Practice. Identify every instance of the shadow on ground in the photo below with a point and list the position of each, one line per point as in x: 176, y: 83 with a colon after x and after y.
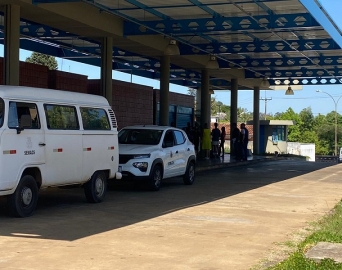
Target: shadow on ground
x: 64, y: 214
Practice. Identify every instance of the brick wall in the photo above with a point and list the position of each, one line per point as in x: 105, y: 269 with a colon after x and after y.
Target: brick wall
x: 177, y: 99
x: 132, y: 103
x: 33, y: 75
x: 61, y: 80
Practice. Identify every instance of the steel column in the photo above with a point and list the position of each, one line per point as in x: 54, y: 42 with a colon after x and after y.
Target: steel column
x: 256, y: 120
x: 164, y: 90
x: 106, y: 68
x: 205, y: 109
x: 233, y: 105
x: 11, y: 45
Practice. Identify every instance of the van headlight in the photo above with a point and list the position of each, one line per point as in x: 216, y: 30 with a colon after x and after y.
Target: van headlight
x: 142, y: 156
x: 142, y: 166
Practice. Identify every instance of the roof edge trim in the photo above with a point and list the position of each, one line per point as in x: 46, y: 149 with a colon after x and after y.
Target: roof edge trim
x: 323, y: 18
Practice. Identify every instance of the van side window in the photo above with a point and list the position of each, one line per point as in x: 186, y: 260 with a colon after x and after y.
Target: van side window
x: 18, y: 109
x: 61, y: 117
x: 94, y: 119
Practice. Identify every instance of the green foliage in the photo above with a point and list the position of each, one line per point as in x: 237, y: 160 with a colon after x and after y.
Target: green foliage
x: 43, y: 59
x: 327, y: 229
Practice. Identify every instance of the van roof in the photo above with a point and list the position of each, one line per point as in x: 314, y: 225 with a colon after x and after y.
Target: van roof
x: 50, y: 95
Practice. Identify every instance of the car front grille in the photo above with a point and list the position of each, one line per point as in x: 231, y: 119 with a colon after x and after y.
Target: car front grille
x: 123, y: 159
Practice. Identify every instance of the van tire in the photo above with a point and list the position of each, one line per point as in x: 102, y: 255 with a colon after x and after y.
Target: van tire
x: 189, y: 176
x: 95, y: 189
x: 156, y: 177
x: 23, y: 201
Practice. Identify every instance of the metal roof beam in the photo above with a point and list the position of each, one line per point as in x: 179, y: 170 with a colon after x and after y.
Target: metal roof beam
x: 284, y: 62
x: 36, y: 2
x: 261, y: 47
x: 223, y: 24
x: 205, y: 8
x: 302, y: 73
x: 308, y: 81
x: 148, y: 9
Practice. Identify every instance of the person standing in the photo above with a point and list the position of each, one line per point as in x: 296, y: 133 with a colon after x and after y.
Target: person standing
x: 215, y: 133
x: 196, y: 136
x: 235, y: 135
x: 244, y: 141
x: 206, y: 145
x: 223, y: 138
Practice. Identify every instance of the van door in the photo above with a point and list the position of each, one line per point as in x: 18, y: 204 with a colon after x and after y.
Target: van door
x: 21, y: 148
x: 99, y: 142
x: 63, y: 140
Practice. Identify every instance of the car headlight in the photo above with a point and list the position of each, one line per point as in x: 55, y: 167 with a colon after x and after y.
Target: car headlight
x: 142, y: 156
x: 142, y: 166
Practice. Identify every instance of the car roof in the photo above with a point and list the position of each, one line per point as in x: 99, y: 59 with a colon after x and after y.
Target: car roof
x: 150, y: 127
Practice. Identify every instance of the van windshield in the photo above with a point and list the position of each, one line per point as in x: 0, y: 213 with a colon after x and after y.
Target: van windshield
x: 2, y: 110
x: 140, y: 136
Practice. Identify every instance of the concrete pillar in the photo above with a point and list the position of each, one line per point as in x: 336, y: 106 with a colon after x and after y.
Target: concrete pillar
x: 107, y: 68
x: 11, y: 44
x: 205, y: 98
x: 233, y: 105
x: 164, y: 90
x: 256, y: 120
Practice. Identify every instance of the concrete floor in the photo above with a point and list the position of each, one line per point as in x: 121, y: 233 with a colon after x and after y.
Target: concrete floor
x: 229, y: 219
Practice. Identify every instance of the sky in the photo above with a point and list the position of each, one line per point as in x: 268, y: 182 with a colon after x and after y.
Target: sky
x: 277, y: 101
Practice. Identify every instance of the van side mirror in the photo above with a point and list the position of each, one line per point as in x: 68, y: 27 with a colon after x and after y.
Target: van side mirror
x: 25, y: 122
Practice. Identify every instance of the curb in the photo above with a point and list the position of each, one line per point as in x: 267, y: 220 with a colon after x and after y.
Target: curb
x: 236, y: 163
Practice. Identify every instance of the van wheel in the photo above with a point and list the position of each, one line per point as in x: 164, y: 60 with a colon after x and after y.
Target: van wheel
x: 189, y: 176
x: 23, y: 201
x: 156, y: 177
x: 95, y: 189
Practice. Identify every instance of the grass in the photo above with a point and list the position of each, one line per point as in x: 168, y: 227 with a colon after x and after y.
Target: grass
x: 327, y: 229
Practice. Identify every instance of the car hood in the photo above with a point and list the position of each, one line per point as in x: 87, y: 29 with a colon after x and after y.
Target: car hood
x: 132, y: 149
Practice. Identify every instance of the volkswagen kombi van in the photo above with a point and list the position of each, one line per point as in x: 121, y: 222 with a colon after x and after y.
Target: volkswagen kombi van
x: 54, y: 138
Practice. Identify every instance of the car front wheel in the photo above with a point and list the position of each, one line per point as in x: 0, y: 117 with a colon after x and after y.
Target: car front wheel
x: 156, y: 177
x: 23, y: 201
x: 189, y: 176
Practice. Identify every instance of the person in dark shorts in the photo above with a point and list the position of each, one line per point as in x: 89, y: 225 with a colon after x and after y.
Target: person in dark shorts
x: 215, y: 140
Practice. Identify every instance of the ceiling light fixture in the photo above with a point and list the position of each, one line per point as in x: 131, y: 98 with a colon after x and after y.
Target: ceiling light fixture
x: 172, y: 48
x: 289, y: 91
x: 264, y: 83
x: 212, y: 63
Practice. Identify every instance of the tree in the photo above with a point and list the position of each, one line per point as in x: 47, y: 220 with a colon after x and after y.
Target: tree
x: 43, y: 59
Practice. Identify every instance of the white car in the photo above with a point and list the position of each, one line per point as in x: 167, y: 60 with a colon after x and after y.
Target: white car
x: 155, y: 153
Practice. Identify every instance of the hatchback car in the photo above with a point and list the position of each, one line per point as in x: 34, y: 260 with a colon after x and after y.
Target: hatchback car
x: 155, y: 153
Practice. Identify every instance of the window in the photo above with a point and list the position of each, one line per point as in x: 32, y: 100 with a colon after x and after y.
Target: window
x: 61, y: 117
x: 278, y: 133
x: 140, y: 136
x: 168, y: 139
x: 18, y: 109
x: 94, y: 119
x: 179, y: 137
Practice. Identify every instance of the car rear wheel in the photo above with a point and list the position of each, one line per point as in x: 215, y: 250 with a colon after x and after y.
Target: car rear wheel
x: 189, y: 176
x: 95, y: 189
x: 156, y: 177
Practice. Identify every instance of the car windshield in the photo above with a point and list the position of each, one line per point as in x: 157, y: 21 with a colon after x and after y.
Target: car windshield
x: 140, y: 136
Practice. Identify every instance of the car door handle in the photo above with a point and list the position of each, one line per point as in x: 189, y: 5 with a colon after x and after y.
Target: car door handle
x: 176, y: 152
x: 188, y: 149
x: 42, y: 144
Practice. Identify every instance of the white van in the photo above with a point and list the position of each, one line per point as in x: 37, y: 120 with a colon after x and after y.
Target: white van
x: 54, y: 138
